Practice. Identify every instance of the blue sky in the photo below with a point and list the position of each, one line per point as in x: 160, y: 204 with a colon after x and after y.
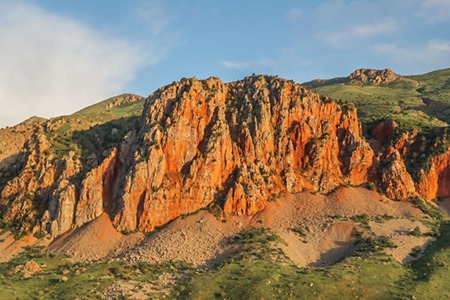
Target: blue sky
x: 57, y: 56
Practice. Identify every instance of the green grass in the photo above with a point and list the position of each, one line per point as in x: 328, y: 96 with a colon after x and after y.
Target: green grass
x: 83, y: 131
x: 375, y: 277
x: 419, y: 108
x: 84, y: 280
x: 257, y: 270
x: 432, y: 271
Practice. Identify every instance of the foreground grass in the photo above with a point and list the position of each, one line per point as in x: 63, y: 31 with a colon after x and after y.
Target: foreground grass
x: 61, y: 279
x: 256, y: 270
x: 261, y: 272
x: 372, y: 278
x: 431, y: 272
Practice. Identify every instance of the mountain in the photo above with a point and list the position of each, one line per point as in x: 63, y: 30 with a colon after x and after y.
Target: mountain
x: 256, y: 174
x: 198, y: 143
x: 232, y: 147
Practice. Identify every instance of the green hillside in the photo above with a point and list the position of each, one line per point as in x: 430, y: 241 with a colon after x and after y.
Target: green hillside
x: 95, y: 128
x: 416, y: 102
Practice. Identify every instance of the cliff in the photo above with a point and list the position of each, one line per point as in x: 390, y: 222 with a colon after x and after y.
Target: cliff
x: 239, y: 145
x: 232, y: 147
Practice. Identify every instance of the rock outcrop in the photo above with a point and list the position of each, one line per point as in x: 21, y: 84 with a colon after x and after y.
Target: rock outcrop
x: 232, y: 147
x: 239, y: 144
x: 12, y: 141
x: 436, y: 182
x: 374, y: 76
x: 395, y: 180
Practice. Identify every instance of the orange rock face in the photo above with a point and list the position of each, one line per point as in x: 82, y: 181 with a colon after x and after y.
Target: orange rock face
x: 239, y: 144
x: 436, y: 182
x: 202, y: 143
x: 395, y: 180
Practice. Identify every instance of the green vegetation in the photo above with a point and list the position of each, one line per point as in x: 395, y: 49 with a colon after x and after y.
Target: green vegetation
x: 430, y: 279
x: 61, y: 279
x: 436, y: 93
x: 258, y: 269
x: 299, y: 231
x: 95, y: 128
x: 418, y: 107
x: 363, y: 220
x: 266, y: 279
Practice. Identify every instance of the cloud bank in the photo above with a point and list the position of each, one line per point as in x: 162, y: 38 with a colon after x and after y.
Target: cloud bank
x: 52, y: 65
x: 332, y: 37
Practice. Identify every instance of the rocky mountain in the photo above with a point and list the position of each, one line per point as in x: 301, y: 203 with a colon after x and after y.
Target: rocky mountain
x: 375, y: 77
x: 365, y: 77
x: 232, y: 147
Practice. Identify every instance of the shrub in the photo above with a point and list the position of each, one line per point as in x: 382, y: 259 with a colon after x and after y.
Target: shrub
x: 415, y: 251
x: 416, y: 231
x: 39, y: 234
x: 369, y: 185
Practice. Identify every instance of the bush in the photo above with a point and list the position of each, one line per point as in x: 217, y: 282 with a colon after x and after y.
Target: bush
x: 369, y: 185
x: 39, y: 234
x: 415, y: 251
x: 298, y: 231
x: 416, y: 231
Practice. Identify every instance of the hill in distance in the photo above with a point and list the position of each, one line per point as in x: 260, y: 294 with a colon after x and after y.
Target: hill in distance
x: 415, y: 102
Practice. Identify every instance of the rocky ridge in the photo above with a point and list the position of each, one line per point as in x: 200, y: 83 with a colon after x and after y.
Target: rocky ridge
x: 203, y: 143
x: 373, y: 76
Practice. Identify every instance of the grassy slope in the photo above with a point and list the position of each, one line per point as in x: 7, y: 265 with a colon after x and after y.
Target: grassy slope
x: 90, y: 130
x: 257, y: 270
x: 414, y: 107
x: 83, y: 280
x: 372, y: 278
x: 436, y: 92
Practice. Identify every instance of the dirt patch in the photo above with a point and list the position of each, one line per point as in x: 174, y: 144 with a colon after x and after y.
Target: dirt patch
x: 400, y: 232
x: 200, y: 239
x: 93, y: 241
x: 325, y: 239
x: 319, y: 248
x: 10, y: 247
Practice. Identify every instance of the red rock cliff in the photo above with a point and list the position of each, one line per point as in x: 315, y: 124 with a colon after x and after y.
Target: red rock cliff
x: 201, y: 143
x: 240, y: 144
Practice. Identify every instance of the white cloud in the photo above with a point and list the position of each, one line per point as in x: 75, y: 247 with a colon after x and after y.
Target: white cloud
x: 366, y: 30
x: 295, y: 14
x: 348, y: 36
x: 434, y: 54
x: 436, y: 10
x: 236, y: 65
x: 52, y: 65
x: 439, y: 46
x: 154, y: 13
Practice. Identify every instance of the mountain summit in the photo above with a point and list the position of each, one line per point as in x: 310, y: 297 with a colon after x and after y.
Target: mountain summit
x: 385, y: 76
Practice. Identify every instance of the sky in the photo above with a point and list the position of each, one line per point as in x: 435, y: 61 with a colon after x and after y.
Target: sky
x: 58, y: 56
